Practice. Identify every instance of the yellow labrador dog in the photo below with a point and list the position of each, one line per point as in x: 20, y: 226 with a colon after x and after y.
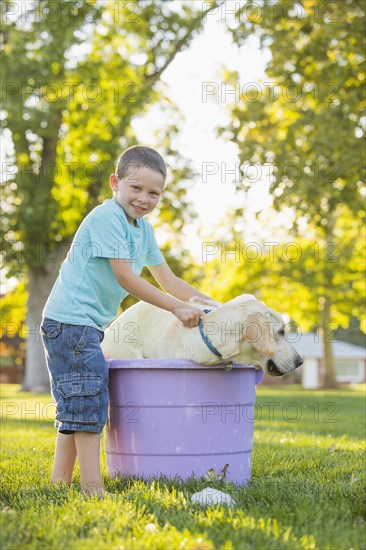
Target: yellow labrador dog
x: 243, y: 330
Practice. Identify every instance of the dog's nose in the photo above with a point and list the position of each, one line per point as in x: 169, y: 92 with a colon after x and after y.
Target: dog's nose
x: 299, y: 362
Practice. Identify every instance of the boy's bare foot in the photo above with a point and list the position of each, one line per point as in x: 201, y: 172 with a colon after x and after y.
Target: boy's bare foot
x: 112, y: 496
x: 96, y: 490
x: 61, y: 483
x: 93, y: 490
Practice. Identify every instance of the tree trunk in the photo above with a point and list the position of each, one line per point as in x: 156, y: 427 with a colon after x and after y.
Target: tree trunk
x: 327, y: 336
x: 40, y: 283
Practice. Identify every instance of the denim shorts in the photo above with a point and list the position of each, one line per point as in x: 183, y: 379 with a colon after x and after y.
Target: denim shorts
x: 78, y: 375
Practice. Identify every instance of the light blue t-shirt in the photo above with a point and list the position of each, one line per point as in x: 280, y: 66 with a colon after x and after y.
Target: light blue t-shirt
x: 86, y: 291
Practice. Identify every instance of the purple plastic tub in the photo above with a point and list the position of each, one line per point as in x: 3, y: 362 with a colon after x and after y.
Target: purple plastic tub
x: 176, y: 418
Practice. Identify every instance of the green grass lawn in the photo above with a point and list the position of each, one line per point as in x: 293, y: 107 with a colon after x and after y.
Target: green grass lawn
x: 307, y: 488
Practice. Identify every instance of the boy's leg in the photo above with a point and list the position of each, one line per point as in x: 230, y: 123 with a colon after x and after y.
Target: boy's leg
x: 88, y: 452
x: 65, y: 456
x: 79, y: 383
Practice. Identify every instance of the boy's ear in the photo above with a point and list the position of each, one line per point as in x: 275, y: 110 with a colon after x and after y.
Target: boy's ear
x: 113, y: 182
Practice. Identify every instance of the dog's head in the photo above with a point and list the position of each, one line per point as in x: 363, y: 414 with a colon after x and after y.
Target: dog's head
x: 247, y: 331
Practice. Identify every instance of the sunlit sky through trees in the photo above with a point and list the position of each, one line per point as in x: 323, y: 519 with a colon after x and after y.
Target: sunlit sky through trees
x: 194, y: 82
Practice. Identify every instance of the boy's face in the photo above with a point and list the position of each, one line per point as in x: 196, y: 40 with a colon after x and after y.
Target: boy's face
x: 138, y: 193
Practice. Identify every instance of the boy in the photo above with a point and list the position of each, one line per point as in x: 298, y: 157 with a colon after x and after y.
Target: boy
x: 102, y: 267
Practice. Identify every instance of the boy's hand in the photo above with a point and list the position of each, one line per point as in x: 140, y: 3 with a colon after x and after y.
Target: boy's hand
x: 188, y: 315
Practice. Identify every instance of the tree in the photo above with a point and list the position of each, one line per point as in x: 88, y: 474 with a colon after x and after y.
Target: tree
x: 75, y: 74
x: 305, y: 127
x: 288, y: 275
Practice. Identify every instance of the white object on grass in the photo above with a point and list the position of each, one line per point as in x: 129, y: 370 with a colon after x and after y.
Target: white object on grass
x: 212, y: 496
x: 150, y: 527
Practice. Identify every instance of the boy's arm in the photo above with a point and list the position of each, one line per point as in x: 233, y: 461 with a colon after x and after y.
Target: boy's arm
x: 174, y: 285
x: 138, y: 287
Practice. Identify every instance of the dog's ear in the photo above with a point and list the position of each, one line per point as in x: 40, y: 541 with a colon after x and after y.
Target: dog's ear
x: 229, y: 349
x: 223, y: 331
x: 257, y: 331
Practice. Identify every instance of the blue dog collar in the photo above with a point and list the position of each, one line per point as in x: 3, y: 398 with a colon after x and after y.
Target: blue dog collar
x: 210, y: 346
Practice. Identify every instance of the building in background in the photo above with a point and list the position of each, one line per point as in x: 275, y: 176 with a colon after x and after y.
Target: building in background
x: 350, y: 362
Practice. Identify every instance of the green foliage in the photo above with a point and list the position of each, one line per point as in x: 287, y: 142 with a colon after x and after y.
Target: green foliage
x: 73, y: 82
x: 306, y: 490
x: 75, y: 75
x: 12, y: 309
x: 304, y: 127
x: 307, y: 123
x: 292, y: 275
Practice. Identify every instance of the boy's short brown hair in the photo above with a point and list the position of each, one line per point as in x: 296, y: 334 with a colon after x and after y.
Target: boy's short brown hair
x: 137, y: 157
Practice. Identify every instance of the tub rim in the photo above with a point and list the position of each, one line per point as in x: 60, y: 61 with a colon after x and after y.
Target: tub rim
x: 178, y: 364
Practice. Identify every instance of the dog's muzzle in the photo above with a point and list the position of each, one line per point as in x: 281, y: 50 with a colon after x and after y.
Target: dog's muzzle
x: 272, y: 368
x: 274, y: 371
